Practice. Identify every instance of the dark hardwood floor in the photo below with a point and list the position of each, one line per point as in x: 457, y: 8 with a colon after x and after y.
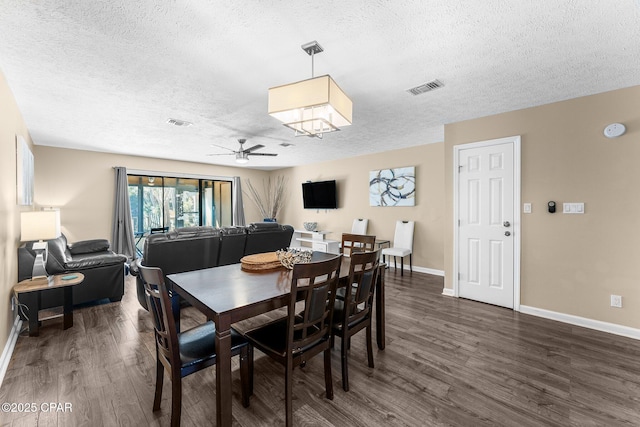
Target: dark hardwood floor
x: 448, y: 362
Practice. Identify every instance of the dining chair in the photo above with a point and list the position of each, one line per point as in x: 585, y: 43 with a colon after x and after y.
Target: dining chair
x: 356, y: 243
x: 359, y: 226
x: 294, y: 339
x: 184, y: 353
x: 353, y: 313
x: 402, y: 244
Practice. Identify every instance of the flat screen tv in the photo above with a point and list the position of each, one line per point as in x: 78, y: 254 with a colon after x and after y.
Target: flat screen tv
x: 319, y: 195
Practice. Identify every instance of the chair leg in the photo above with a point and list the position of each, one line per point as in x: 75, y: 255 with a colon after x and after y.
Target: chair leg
x: 159, y: 383
x: 244, y: 376
x: 402, y: 266
x: 288, y: 392
x: 344, y: 362
x: 328, y: 379
x: 369, y: 346
x: 250, y: 370
x: 395, y: 263
x: 410, y: 264
x: 176, y: 399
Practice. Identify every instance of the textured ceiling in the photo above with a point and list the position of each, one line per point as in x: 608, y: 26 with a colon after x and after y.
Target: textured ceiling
x: 106, y: 75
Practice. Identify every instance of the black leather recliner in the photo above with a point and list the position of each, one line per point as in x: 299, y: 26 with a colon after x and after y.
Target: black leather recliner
x: 103, y: 270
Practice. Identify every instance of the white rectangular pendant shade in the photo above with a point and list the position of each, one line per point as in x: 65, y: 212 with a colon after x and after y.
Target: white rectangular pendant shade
x: 312, y: 106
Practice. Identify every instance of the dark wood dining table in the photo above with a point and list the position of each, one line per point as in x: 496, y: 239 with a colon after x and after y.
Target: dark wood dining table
x: 229, y: 294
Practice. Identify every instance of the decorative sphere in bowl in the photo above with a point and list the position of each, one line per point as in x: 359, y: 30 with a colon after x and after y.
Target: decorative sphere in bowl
x: 310, y: 226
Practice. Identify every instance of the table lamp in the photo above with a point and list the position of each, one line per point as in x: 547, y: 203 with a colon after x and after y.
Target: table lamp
x: 40, y: 226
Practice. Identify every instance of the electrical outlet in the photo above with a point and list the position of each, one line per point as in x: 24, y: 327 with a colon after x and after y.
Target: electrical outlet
x: 616, y: 301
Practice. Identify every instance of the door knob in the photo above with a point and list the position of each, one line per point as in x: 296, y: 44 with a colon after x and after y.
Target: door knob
x: 506, y: 224
x: 507, y: 233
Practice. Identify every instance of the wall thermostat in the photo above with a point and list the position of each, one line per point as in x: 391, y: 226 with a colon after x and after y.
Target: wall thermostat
x: 614, y: 130
x: 552, y: 206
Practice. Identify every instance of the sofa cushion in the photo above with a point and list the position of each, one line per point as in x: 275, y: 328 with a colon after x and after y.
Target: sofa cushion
x: 267, y: 237
x: 89, y: 246
x: 183, y: 249
x: 57, y: 255
x: 95, y: 259
x: 232, y: 245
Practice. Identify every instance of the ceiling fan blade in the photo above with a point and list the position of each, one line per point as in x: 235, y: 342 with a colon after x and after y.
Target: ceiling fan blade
x: 254, y: 148
x: 220, y: 154
x: 262, y: 154
x: 220, y: 146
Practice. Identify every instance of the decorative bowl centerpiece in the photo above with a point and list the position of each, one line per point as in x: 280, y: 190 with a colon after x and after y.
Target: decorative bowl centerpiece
x: 292, y: 256
x: 310, y: 226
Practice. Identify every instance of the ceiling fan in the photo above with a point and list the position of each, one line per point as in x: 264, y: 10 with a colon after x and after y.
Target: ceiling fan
x: 242, y: 155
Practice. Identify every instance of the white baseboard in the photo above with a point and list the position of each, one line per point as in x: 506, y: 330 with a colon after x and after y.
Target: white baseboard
x: 448, y: 292
x: 9, y: 346
x: 598, y: 325
x: 425, y: 270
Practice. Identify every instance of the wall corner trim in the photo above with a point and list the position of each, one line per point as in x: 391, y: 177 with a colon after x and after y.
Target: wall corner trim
x: 9, y: 346
x: 598, y: 325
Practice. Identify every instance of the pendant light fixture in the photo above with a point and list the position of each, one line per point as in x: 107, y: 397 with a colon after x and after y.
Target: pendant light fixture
x: 311, y: 107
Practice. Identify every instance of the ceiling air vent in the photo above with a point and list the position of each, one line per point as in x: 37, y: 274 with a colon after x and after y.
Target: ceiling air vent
x: 177, y: 122
x: 426, y: 87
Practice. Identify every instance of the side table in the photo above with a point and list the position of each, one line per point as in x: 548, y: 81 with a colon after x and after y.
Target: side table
x: 32, y: 288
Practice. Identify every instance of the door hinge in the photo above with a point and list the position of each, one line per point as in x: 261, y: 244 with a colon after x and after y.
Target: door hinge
x: 460, y: 168
x: 459, y: 223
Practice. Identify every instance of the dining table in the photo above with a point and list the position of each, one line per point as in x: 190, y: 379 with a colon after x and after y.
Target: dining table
x: 229, y: 294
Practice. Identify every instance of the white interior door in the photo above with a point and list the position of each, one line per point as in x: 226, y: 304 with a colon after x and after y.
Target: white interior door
x: 487, y: 207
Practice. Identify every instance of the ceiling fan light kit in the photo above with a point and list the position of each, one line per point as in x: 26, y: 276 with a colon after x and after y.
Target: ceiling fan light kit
x: 242, y: 157
x: 311, y: 107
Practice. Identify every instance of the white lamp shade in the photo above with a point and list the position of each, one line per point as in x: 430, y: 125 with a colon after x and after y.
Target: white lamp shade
x: 311, y: 106
x: 39, y: 225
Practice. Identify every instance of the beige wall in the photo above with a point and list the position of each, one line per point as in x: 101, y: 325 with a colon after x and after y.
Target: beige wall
x: 352, y: 176
x: 81, y: 184
x: 11, y: 124
x: 571, y: 263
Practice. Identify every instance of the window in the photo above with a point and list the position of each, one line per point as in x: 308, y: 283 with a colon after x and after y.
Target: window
x: 162, y: 203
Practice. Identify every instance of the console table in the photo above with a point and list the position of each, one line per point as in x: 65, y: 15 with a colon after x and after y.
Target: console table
x: 32, y: 288
x: 315, y: 240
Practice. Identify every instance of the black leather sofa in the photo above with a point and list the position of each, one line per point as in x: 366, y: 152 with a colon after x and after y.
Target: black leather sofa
x: 102, y: 268
x: 193, y: 248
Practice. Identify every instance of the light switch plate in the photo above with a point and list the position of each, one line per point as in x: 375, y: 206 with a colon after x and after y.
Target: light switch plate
x: 526, y: 208
x: 573, y: 208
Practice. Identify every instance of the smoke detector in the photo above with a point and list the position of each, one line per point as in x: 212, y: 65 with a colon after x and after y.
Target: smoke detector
x: 614, y: 130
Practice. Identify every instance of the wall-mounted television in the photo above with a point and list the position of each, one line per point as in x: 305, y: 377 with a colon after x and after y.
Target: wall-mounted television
x: 319, y: 195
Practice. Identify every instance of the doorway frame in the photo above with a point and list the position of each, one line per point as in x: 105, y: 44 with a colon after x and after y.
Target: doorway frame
x: 517, y: 216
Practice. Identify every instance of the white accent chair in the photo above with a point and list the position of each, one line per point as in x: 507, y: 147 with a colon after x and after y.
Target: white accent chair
x: 359, y: 226
x: 402, y: 244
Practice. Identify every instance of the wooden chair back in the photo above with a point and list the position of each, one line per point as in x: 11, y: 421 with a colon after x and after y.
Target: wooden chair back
x: 159, y: 304
x: 314, y: 284
x: 357, y: 243
x: 363, y: 274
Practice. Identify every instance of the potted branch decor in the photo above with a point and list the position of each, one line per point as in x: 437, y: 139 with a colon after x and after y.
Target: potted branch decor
x: 271, y: 199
